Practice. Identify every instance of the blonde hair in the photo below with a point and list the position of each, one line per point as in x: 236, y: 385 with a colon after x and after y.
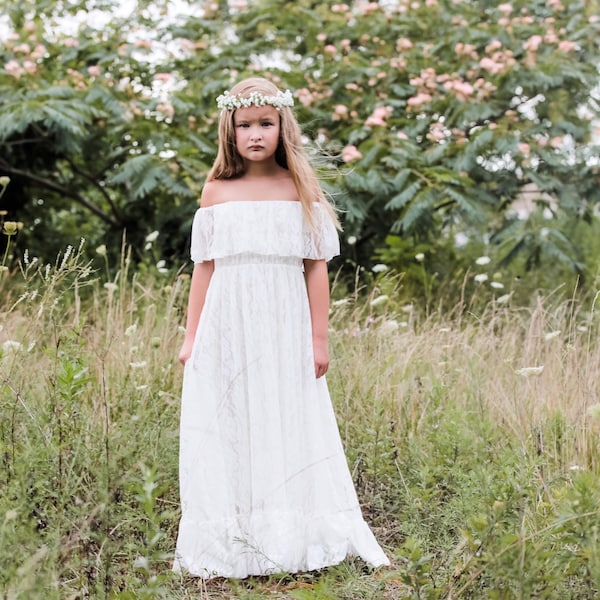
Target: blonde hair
x: 290, y: 153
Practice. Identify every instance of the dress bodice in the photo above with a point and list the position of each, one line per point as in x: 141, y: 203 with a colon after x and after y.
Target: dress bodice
x: 263, y: 227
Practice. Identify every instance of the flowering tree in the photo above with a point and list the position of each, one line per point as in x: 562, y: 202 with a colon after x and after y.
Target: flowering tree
x: 435, y: 117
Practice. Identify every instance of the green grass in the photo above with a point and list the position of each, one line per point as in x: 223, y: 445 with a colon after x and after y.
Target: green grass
x: 480, y: 480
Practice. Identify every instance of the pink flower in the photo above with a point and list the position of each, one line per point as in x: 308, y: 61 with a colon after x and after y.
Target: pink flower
x: 403, y: 44
x: 556, y: 142
x: 23, y: 48
x: 164, y: 77
x: 321, y: 37
x: 13, y: 68
x: 505, y: 8
x: 166, y: 108
x: 143, y: 44
x: 29, y: 26
x: 401, y: 135
x: 378, y: 117
x: 491, y: 65
x: 350, y: 153
x: 70, y: 43
x: 419, y: 100
x: 38, y: 52
x: 330, y: 48
x: 30, y: 66
x: 305, y: 96
x: 524, y: 149
x: 94, y: 71
x: 533, y: 43
x: 341, y: 110
x: 566, y: 46
x: 493, y: 46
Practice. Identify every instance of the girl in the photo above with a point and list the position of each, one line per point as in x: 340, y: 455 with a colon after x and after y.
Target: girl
x: 264, y: 483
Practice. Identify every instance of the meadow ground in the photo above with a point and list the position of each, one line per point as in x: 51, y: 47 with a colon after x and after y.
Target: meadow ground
x: 472, y: 435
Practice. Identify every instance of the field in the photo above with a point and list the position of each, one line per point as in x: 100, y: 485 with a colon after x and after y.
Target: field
x: 472, y: 435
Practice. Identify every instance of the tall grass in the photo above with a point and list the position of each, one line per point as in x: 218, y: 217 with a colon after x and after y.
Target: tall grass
x: 477, y: 469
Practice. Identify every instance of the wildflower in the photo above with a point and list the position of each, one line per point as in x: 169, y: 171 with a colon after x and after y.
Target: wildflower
x: 10, y: 227
x: 530, y: 371
x: 160, y: 265
x: 151, y: 237
x: 137, y: 365
x: 481, y: 277
x: 594, y: 411
x: 351, y: 240
x: 389, y: 326
x: 11, y: 346
x: 4, y: 181
x: 420, y: 257
x: 379, y: 268
x: 341, y: 302
x: 552, y: 334
x: 3, y: 268
x: 131, y: 330
x: 101, y: 250
x: 504, y: 298
x: 380, y: 301
x: 575, y: 468
x: 483, y: 260
x: 141, y: 387
x: 111, y: 287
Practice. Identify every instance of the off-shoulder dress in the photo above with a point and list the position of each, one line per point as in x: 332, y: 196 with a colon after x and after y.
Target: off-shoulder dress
x: 264, y: 483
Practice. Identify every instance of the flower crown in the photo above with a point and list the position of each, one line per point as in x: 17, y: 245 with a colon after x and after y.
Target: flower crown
x: 226, y: 101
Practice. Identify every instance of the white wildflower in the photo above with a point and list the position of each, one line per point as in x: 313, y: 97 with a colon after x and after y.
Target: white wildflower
x: 111, y: 287
x: 131, y: 330
x: 351, y: 240
x: 379, y: 268
x: 389, y: 326
x: 497, y: 285
x: 483, y: 260
x: 152, y: 237
x: 576, y: 468
x: 11, y: 346
x: 161, y: 266
x: 420, y: 257
x: 444, y: 329
x: 139, y: 388
x: 407, y: 308
x: 380, y: 301
x: 138, y: 365
x: 481, y: 277
x: 582, y: 328
x: 101, y: 250
x: 552, y: 334
x: 504, y: 298
x: 530, y: 371
x: 341, y: 302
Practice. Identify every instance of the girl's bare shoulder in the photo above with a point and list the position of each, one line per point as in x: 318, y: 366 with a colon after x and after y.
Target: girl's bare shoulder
x: 215, y: 191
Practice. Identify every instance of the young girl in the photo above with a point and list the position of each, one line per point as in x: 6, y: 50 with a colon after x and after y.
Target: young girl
x: 265, y: 487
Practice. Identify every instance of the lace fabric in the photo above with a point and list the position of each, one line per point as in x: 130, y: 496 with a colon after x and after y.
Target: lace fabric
x: 260, y: 226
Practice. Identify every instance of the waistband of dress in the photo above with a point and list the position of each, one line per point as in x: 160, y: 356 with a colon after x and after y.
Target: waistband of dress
x: 248, y: 258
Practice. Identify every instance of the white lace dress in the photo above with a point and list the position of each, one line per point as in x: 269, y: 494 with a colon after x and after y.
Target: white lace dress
x: 264, y: 483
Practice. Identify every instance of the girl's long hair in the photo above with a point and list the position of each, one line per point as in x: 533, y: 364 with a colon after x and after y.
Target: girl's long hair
x: 290, y: 153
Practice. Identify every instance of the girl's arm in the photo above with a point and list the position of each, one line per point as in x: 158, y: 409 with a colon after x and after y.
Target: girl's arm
x: 317, y: 285
x: 200, y: 279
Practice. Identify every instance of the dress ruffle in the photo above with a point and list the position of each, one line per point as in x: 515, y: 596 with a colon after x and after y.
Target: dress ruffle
x: 257, y: 227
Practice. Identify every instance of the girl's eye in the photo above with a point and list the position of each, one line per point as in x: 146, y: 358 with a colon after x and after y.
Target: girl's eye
x: 267, y: 124
x: 242, y: 124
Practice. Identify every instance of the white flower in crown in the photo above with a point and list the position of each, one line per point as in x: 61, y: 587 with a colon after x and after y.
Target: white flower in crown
x: 227, y: 101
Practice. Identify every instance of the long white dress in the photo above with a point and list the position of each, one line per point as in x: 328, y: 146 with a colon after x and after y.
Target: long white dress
x: 264, y: 483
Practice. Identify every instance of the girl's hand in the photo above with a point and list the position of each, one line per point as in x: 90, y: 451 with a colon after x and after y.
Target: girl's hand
x: 321, y: 354
x: 186, y: 351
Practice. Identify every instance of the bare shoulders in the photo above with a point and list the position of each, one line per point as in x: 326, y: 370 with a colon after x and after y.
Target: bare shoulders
x: 276, y: 187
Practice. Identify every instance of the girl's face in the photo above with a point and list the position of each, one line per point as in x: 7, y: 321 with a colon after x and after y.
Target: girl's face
x: 256, y: 132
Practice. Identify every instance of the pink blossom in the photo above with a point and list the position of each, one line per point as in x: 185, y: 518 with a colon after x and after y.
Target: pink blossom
x: 493, y: 46
x: 556, y: 142
x: 305, y: 96
x: 238, y: 4
x: 23, y: 48
x: 164, y: 77
x: 403, y: 44
x: 94, y: 71
x: 436, y: 133
x: 491, y: 65
x: 321, y: 37
x: 13, y: 68
x: 166, y: 108
x: 30, y: 66
x: 339, y: 8
x: 378, y: 117
x: 566, y: 46
x: 352, y: 86
x: 524, y: 149
x: 401, y: 135
x: 594, y: 19
x: 350, y: 153
x: 533, y: 43
x: 419, y: 100
x: 38, y: 52
x: 29, y: 26
x: 330, y: 48
x: 143, y: 44
x: 345, y: 44
x: 70, y: 42
x: 505, y: 8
